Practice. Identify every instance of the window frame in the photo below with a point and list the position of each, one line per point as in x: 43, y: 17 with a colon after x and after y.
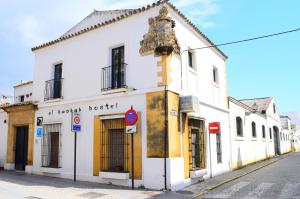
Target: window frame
x: 241, y: 129
x: 216, y: 75
x: 263, y: 130
x: 219, y: 148
x: 253, y: 130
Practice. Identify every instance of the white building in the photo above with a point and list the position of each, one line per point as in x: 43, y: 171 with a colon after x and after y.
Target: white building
x: 99, y: 69
x: 143, y: 59
x: 295, y: 137
x: 3, y: 137
x: 256, y: 131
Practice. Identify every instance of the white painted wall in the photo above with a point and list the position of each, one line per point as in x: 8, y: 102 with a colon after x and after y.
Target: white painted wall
x: 247, y: 149
x: 3, y: 137
x: 198, y: 80
x: 26, y: 90
x: 84, y: 56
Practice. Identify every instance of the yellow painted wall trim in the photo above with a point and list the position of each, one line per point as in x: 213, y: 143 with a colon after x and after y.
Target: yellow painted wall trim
x: 164, y: 74
x: 23, y: 115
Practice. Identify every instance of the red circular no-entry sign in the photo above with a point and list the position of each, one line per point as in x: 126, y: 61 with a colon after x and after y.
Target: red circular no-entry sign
x: 214, y: 127
x: 131, y: 117
x: 76, y: 119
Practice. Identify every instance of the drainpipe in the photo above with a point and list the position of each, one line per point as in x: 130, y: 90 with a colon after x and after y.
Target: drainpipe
x: 166, y: 137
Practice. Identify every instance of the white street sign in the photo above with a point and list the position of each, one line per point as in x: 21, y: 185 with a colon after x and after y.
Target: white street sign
x: 131, y: 129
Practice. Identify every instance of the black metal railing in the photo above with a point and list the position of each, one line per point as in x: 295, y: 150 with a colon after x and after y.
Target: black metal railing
x: 113, y: 77
x: 53, y: 89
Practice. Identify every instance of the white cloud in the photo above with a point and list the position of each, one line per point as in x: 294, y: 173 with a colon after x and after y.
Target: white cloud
x: 199, y: 11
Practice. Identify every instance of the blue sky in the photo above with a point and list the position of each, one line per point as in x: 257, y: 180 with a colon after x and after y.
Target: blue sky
x: 269, y: 67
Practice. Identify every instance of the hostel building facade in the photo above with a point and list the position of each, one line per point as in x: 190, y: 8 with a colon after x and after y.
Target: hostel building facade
x: 113, y: 60
x: 142, y: 58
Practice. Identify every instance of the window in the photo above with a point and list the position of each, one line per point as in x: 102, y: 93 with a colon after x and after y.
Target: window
x: 274, y: 108
x: 270, y: 132
x: 263, y: 131
x: 51, y: 145
x: 253, y: 129
x: 114, y: 76
x: 57, y: 81
x: 239, y: 126
x: 22, y: 97
x: 53, y: 87
x: 195, y: 148
x: 216, y: 75
x: 219, y: 148
x: 190, y: 57
x: 197, y: 143
x: 114, y: 146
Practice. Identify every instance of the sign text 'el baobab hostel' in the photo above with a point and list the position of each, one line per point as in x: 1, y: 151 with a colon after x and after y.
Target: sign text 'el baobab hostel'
x: 107, y: 106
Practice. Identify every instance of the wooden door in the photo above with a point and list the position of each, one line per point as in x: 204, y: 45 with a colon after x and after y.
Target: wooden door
x: 54, y: 149
x: 21, y: 147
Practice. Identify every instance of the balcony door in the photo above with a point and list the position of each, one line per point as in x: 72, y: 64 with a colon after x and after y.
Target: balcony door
x: 118, y: 76
x: 57, y: 81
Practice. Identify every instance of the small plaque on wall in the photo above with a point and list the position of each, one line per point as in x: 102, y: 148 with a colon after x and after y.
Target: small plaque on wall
x: 39, y: 132
x: 39, y: 121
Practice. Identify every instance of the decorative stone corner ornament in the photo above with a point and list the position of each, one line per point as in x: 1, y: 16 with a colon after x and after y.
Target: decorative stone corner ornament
x: 161, y: 38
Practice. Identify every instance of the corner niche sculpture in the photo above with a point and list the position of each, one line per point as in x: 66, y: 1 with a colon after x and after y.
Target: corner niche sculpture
x: 161, y: 38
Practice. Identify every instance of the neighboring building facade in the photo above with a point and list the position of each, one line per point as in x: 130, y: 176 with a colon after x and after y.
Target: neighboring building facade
x: 20, y: 129
x: 3, y: 136
x: 295, y: 137
x: 255, y: 124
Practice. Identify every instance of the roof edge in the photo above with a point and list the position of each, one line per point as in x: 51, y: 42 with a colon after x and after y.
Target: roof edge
x: 126, y: 15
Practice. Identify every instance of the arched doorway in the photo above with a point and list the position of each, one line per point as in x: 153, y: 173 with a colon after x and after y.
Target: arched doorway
x: 276, y: 140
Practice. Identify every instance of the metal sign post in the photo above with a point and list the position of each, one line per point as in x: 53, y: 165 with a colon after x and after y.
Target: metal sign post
x: 75, y: 127
x: 131, y: 118
x: 213, y: 128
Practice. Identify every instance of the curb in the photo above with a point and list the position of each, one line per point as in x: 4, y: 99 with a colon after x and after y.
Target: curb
x: 237, y: 177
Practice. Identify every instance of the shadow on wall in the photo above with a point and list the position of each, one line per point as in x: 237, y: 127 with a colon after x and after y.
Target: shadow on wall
x: 239, y: 159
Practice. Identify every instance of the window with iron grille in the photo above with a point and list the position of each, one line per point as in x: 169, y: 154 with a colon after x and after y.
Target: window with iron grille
x: 195, y: 148
x: 51, y: 146
x: 114, y: 146
x: 197, y: 144
x: 219, y: 147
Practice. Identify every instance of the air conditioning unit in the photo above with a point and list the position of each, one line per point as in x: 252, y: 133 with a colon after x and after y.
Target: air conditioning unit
x: 189, y: 104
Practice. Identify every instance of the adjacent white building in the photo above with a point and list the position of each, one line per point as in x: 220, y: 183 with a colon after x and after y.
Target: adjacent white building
x: 256, y: 131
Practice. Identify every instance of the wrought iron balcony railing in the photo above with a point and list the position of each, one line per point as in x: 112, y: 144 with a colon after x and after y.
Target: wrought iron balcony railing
x: 53, y: 89
x: 113, y: 77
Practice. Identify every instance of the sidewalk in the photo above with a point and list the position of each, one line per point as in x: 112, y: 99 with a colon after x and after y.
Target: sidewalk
x: 209, y: 184
x: 16, y: 185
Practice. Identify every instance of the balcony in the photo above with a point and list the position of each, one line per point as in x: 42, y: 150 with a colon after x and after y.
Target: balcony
x: 53, y: 89
x: 113, y: 77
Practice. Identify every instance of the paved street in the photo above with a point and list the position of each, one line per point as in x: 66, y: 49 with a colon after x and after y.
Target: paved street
x: 281, y: 179
x: 278, y: 180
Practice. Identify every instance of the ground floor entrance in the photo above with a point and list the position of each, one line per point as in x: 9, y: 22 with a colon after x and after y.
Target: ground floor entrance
x: 197, y: 144
x: 21, y: 147
x: 276, y: 140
